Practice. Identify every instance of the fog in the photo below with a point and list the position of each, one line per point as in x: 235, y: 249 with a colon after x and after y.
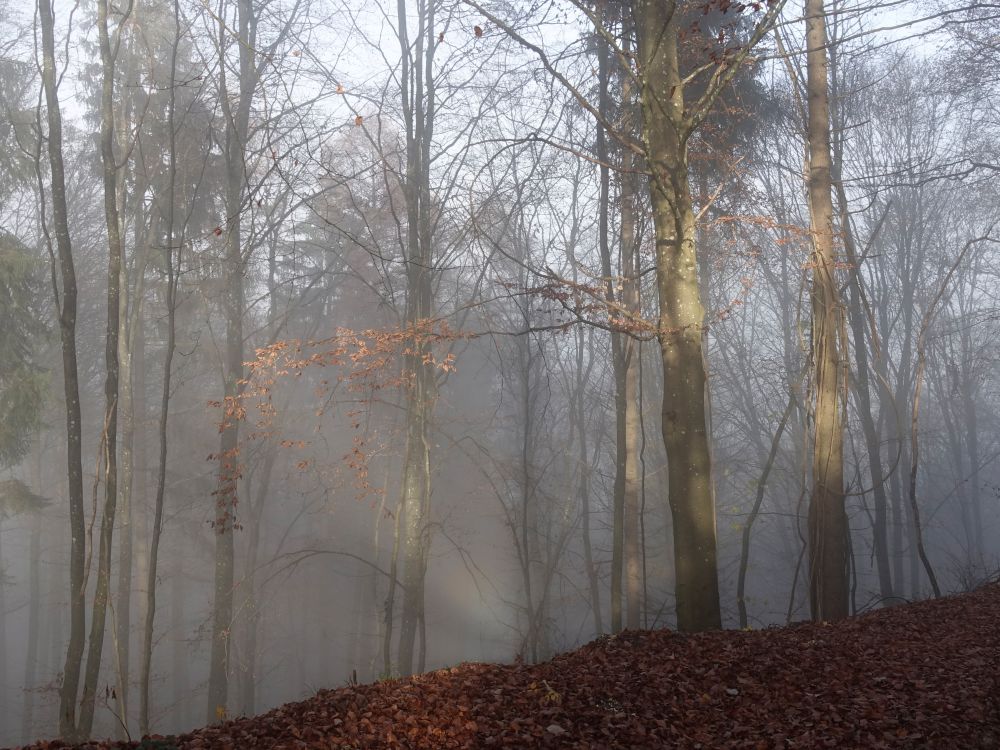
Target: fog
x: 347, y: 340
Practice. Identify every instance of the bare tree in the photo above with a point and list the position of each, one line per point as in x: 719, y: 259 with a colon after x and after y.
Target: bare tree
x: 66, y: 304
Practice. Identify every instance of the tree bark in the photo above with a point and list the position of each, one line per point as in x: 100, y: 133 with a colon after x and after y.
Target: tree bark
x: 417, y: 96
x: 862, y: 390
x: 828, y: 530
x: 856, y: 317
x: 237, y: 128
x: 148, y: 627
x: 131, y: 351
x: 629, y: 251
x: 110, y: 439
x: 585, y: 464
x: 71, y: 387
x: 617, y: 358
x: 680, y: 319
x: 755, y: 510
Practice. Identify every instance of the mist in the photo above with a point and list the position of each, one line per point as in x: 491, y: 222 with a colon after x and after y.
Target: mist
x: 343, y: 341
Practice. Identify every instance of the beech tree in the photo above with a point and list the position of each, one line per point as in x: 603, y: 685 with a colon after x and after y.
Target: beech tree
x: 828, y: 531
x: 502, y: 327
x: 668, y: 122
x: 66, y: 304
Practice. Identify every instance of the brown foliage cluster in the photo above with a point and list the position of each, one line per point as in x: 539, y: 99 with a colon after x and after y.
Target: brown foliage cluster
x: 364, y: 362
x: 918, y: 676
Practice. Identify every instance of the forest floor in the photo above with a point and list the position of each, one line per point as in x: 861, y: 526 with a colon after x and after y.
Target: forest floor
x: 924, y: 675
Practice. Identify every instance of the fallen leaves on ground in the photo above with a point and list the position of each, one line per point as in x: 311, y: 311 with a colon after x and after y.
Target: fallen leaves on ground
x: 919, y: 676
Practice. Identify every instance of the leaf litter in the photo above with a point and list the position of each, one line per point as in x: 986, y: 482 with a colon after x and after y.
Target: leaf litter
x: 924, y: 675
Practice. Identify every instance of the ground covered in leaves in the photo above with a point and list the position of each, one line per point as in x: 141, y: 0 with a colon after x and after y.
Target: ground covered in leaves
x: 921, y: 675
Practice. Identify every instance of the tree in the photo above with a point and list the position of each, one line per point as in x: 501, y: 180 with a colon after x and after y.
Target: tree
x: 172, y: 257
x: 418, y: 99
x: 66, y: 305
x: 668, y: 121
x: 828, y: 530
x: 625, y: 558
x: 237, y: 127
x: 109, y: 437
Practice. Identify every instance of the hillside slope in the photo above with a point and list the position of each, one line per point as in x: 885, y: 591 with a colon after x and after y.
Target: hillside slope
x: 922, y: 675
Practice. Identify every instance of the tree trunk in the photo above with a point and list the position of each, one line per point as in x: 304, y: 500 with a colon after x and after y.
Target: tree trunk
x: 251, y: 610
x: 180, y: 657
x: 755, y: 510
x: 585, y: 468
x: 862, y: 390
x: 390, y: 597
x: 617, y: 358
x: 237, y: 129
x: 71, y: 388
x: 828, y: 528
x: 680, y: 320
x: 131, y: 350
x: 630, y: 262
x: 856, y: 316
x: 969, y: 389
x: 110, y: 438
x: 418, y: 110
x: 527, y: 544
x: 148, y: 627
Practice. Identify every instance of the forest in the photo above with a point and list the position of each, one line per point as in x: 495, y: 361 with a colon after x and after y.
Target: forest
x: 342, y: 341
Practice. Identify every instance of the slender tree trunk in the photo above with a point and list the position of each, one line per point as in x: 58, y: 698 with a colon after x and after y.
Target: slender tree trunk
x: 955, y: 449
x: 109, y: 442
x: 755, y: 510
x: 617, y: 358
x: 828, y: 528
x: 71, y: 388
x: 972, y: 445
x: 234, y: 306
x: 856, y: 316
x: 123, y: 608
x: 250, y: 607
x: 416, y: 480
x: 28, y: 731
x: 897, y: 449
x: 917, y: 537
x: 585, y: 467
x: 862, y: 390
x: 526, y: 543
x: 129, y: 317
x: 390, y: 597
x: 378, y: 620
x: 919, y: 553
x: 629, y: 250
x: 148, y: 628
x: 180, y: 656
x: 417, y: 95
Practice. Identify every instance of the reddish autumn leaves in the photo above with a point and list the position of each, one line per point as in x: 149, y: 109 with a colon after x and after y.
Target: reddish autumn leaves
x: 919, y: 676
